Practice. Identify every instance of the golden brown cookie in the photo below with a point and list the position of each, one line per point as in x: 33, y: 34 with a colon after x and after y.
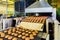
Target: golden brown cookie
x: 1, y: 38
x: 2, y: 34
x: 23, y: 37
x: 34, y: 33
x: 5, y: 31
x: 9, y: 32
x: 26, y: 34
x: 12, y: 33
x: 27, y: 38
x: 19, y: 32
x: 19, y: 36
x: 23, y: 33
x: 10, y: 37
x: 6, y: 36
x: 15, y: 34
x: 15, y: 39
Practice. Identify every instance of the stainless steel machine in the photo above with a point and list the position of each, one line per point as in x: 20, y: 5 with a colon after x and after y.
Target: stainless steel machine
x: 42, y: 8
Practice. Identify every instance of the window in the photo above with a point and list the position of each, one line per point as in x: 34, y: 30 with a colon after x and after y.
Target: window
x: 2, y: 7
x: 7, y: 7
x: 10, y: 7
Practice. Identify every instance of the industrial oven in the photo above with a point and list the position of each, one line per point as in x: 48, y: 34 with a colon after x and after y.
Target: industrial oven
x: 42, y: 8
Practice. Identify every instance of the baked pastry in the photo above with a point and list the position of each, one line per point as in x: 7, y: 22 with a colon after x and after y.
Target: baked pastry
x: 23, y: 33
x: 17, y: 28
x: 29, y: 32
x: 10, y: 37
x: 27, y: 38
x: 14, y: 39
x: 12, y: 33
x: 2, y: 34
x: 1, y: 38
x: 34, y: 33
x: 9, y: 32
x: 19, y: 32
x: 13, y: 30
x: 26, y: 31
x: 31, y: 36
x: 15, y: 34
x: 23, y: 37
x: 19, y: 36
x: 5, y: 31
x: 26, y: 34
x: 6, y: 36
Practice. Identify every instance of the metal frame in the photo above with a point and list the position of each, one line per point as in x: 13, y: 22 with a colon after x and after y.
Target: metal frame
x: 41, y: 6
x: 56, y: 28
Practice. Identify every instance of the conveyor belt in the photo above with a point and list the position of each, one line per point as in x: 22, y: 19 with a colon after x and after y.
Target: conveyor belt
x: 40, y: 19
x: 18, y: 33
x: 21, y: 33
x: 34, y: 23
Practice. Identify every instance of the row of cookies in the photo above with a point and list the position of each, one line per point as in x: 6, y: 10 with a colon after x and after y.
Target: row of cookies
x: 40, y: 19
x: 18, y: 33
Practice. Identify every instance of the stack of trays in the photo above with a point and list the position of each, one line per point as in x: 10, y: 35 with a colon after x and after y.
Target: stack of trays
x: 18, y: 33
x: 40, y: 19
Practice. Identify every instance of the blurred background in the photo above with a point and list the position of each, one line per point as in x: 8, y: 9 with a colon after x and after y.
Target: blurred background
x: 16, y: 8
